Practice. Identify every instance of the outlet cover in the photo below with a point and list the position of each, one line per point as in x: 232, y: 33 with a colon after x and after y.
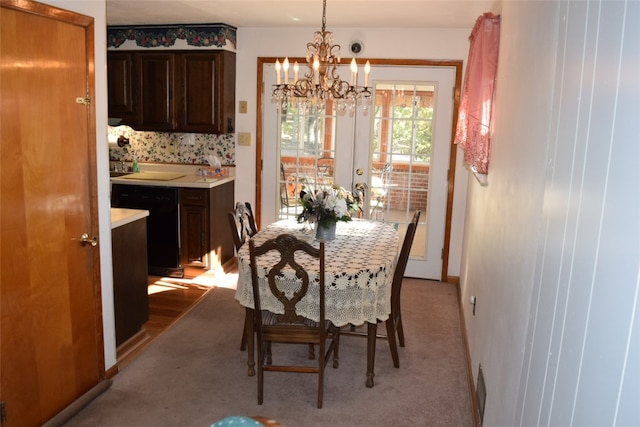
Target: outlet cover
x: 242, y: 107
x: 244, y: 138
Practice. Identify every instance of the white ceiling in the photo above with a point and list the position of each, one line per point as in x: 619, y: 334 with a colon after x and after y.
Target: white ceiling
x: 300, y: 13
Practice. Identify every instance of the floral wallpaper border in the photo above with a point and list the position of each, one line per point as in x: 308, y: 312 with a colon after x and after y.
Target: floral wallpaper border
x: 150, y: 36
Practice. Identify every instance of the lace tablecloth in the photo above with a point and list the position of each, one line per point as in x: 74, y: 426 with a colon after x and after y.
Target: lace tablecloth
x: 359, y: 267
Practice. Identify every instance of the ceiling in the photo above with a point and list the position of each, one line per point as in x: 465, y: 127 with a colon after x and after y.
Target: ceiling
x: 300, y: 13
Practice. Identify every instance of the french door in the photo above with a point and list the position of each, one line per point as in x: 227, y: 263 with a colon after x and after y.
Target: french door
x: 396, y: 148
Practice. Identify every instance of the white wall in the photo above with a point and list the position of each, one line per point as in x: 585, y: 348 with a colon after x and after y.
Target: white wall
x: 97, y: 10
x: 451, y: 44
x: 552, y: 245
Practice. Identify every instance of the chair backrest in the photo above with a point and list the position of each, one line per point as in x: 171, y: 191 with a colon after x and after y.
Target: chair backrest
x: 284, y: 195
x: 288, y: 280
x: 243, y: 224
x: 403, y: 258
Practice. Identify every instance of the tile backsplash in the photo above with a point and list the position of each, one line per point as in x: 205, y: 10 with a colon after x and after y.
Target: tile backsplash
x: 164, y: 147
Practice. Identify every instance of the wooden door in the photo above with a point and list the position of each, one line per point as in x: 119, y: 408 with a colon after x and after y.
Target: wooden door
x: 51, y: 329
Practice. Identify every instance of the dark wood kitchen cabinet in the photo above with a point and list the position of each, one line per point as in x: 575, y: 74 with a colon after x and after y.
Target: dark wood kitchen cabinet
x: 120, y: 84
x: 131, y: 300
x: 178, y: 91
x: 155, y: 89
x: 206, y: 241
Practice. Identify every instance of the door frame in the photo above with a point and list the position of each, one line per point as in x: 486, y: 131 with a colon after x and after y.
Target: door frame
x: 263, y: 94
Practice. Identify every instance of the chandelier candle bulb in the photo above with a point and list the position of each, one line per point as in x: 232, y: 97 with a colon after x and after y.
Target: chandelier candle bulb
x: 278, y: 68
x: 285, y: 68
x: 354, y: 72
x: 367, y: 70
x: 296, y: 68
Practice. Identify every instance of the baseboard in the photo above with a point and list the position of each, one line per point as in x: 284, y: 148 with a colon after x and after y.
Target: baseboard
x: 128, y: 348
x: 70, y: 411
x: 472, y: 388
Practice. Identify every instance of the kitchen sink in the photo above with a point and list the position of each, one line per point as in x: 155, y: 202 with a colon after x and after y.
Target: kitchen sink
x: 113, y: 174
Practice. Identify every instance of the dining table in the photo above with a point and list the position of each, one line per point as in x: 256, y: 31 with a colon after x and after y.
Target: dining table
x: 359, y: 267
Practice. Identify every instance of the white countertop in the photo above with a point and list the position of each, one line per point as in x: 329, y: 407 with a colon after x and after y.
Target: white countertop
x: 190, y: 180
x: 121, y: 216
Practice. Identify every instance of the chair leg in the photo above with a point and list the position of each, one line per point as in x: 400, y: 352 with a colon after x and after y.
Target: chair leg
x: 321, y: 364
x: 312, y: 352
x: 268, y: 346
x: 250, y: 342
x: 243, y: 342
x: 391, y: 337
x: 400, y: 330
x: 260, y: 370
x: 372, y: 330
x: 336, y: 348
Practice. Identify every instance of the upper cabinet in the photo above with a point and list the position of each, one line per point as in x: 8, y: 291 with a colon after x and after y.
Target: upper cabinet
x: 120, y: 86
x: 177, y: 91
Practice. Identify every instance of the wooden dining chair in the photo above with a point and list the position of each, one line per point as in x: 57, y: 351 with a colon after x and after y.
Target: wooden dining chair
x: 243, y: 224
x: 394, y: 321
x: 290, y: 283
x: 243, y: 227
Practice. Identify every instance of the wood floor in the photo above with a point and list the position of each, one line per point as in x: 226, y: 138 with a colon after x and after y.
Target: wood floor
x: 169, y: 300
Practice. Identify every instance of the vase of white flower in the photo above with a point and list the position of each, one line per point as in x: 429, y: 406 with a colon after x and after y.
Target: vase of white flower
x: 326, y: 231
x: 325, y: 207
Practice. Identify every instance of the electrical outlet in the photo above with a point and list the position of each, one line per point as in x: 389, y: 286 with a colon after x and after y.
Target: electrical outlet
x: 244, y: 138
x: 242, y: 107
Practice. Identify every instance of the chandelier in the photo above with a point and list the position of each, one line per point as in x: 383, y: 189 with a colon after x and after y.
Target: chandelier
x: 322, y: 82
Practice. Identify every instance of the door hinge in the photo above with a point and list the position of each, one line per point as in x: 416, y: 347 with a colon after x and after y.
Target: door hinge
x: 442, y: 254
x: 85, y: 101
x: 3, y: 413
x: 453, y: 92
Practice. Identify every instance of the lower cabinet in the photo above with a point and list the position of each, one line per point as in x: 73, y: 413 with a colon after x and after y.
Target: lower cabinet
x: 205, y: 239
x: 131, y: 300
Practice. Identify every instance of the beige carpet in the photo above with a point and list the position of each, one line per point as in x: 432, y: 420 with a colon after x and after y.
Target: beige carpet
x: 195, y: 374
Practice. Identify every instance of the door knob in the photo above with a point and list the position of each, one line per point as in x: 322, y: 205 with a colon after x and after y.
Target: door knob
x: 86, y: 240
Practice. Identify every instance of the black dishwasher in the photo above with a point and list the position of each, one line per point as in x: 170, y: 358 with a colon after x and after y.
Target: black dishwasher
x: 163, y: 224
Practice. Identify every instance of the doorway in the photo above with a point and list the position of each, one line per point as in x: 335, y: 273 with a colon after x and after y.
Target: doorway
x: 399, y: 148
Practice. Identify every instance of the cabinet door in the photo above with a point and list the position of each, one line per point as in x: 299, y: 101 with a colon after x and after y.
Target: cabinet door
x: 198, y: 110
x: 120, y: 78
x: 207, y: 92
x: 130, y: 296
x: 194, y: 228
x: 156, y: 73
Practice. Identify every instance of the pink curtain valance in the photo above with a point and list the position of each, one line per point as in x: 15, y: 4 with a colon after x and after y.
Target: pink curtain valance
x: 473, y: 131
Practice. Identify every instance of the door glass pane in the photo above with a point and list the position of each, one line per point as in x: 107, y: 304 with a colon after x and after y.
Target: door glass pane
x: 307, y: 154
x: 401, y: 156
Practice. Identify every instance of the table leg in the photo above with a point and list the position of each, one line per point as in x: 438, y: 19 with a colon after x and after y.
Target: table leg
x: 248, y: 322
x: 372, y: 331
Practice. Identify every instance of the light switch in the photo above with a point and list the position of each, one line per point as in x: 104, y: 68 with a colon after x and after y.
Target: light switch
x: 242, y: 107
x: 244, y: 138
